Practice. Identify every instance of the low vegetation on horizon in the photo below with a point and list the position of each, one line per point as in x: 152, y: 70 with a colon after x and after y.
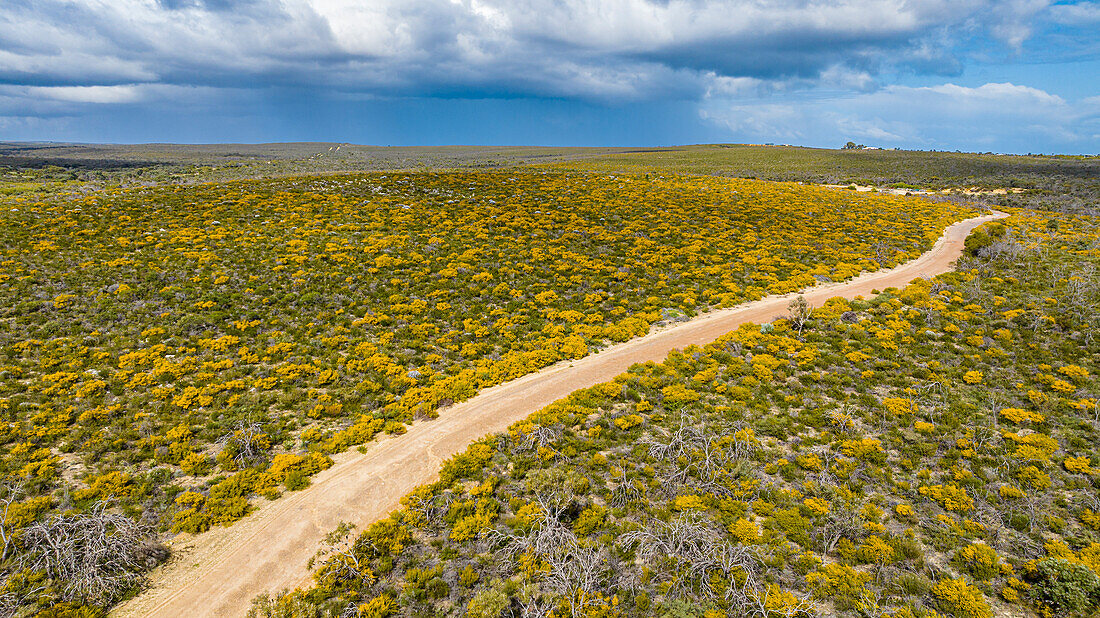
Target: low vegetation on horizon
x: 1057, y: 183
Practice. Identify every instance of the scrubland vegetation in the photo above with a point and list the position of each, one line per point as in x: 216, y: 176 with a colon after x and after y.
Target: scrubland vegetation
x: 931, y: 451
x: 1057, y: 183
x: 170, y: 356
x: 84, y: 167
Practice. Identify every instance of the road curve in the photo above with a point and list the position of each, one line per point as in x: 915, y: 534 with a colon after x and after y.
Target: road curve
x: 219, y: 572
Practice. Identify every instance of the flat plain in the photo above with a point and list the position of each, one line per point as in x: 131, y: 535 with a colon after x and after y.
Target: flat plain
x: 196, y: 336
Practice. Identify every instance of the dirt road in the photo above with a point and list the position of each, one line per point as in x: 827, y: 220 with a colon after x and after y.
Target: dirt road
x: 219, y: 572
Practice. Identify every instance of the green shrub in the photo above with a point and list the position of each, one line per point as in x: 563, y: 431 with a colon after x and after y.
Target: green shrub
x: 983, y: 237
x: 191, y: 520
x: 488, y: 603
x: 296, y: 480
x: 1066, y: 588
x: 436, y: 588
x: 912, y: 584
x: 468, y: 576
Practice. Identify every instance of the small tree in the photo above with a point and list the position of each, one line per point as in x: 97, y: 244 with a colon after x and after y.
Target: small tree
x: 341, y: 562
x: 798, y: 313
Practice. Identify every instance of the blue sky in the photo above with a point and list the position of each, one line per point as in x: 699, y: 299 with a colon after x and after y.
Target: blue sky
x: 978, y: 75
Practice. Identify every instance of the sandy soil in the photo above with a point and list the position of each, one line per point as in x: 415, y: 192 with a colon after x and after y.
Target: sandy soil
x: 968, y: 192
x: 219, y: 572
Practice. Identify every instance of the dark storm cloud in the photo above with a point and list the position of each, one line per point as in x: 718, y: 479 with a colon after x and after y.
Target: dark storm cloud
x: 604, y: 50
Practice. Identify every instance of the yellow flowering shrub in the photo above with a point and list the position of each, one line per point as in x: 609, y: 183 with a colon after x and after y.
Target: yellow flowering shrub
x: 899, y: 405
x: 629, y: 421
x: 867, y: 449
x: 817, y: 506
x: 682, y: 503
x: 951, y: 497
x: 810, y: 462
x: 1076, y: 373
x: 1079, y: 465
x: 837, y: 581
x: 905, y: 512
x: 979, y: 560
x: 745, y: 531
x: 957, y: 598
x: 1033, y: 447
x: 1018, y: 416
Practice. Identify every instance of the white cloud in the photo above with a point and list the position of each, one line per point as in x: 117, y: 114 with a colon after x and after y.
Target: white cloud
x: 1012, y: 19
x: 1004, y: 116
x: 86, y: 94
x: 1080, y: 14
x: 762, y: 122
x: 618, y: 49
x: 978, y: 98
x: 53, y: 101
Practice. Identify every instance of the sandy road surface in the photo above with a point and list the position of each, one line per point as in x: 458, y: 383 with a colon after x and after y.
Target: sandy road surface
x: 219, y: 572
